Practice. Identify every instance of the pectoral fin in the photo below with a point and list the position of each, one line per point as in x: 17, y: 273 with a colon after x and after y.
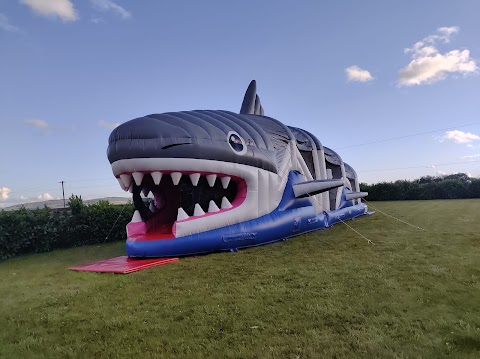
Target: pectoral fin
x: 310, y: 188
x: 355, y: 195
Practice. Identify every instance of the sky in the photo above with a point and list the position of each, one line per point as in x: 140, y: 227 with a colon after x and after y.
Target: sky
x: 392, y: 86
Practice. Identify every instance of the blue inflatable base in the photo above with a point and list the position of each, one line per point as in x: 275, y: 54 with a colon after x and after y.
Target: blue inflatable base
x: 291, y: 218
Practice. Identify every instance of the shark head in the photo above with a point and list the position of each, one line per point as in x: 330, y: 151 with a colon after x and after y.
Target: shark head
x: 198, y: 170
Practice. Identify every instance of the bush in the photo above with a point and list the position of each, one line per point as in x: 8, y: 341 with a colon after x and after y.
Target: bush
x: 454, y: 186
x: 33, y: 231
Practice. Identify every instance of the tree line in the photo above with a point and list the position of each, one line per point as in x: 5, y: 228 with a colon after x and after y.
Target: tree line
x: 32, y: 231
x: 455, y: 186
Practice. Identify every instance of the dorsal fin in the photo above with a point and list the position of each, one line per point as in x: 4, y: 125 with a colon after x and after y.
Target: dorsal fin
x: 251, y: 102
x: 258, y: 106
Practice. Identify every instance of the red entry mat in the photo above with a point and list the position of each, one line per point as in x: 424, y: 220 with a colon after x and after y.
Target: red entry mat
x: 122, y: 265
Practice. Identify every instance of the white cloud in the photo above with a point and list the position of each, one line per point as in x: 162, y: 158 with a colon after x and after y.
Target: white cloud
x: 36, y: 123
x: 460, y: 136
x: 428, y: 65
x: 355, y: 73
x: 108, y: 124
x: 4, y: 191
x: 430, y: 69
x: 5, y: 24
x: 97, y: 20
x: 470, y: 156
x: 63, y: 9
x: 109, y: 5
x: 45, y: 197
x: 445, y: 33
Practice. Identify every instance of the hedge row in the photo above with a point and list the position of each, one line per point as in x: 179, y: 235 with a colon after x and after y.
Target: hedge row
x: 33, y: 231
x: 455, y: 186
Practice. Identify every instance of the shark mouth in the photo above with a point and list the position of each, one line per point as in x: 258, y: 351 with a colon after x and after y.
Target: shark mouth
x: 163, y: 199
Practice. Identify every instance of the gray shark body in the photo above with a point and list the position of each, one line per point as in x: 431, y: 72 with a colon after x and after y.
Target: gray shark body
x: 217, y: 180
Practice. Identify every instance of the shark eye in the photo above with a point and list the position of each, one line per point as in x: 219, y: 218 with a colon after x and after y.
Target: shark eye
x: 236, y: 143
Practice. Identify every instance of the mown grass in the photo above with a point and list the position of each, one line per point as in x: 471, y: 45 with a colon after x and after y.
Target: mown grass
x: 328, y: 294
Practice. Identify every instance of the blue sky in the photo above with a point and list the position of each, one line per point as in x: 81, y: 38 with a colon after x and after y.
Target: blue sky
x: 350, y: 72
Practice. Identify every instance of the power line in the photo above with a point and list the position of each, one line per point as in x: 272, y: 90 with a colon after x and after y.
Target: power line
x: 56, y: 189
x: 39, y: 189
x: 405, y: 136
x: 92, y: 180
x: 96, y: 186
x: 424, y: 166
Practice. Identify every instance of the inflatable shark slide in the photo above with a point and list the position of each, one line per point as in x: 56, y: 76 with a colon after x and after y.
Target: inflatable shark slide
x: 206, y: 181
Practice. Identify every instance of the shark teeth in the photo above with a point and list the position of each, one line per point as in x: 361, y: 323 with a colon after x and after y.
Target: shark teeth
x: 126, y: 180
x: 152, y: 207
x: 136, y: 217
x: 120, y: 182
x: 146, y: 183
x: 181, y: 214
x: 194, y: 177
x: 198, y: 211
x: 225, y: 181
x: 212, y: 207
x: 211, y: 180
x: 138, y: 177
x: 226, y: 203
x: 176, y: 177
x: 157, y: 177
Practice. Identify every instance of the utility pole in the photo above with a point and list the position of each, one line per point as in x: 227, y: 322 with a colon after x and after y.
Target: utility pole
x: 63, y: 191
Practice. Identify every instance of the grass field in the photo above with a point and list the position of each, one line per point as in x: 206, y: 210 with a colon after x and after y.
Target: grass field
x: 328, y: 294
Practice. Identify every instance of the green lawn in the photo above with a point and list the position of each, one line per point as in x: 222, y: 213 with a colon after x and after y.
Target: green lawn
x: 328, y: 294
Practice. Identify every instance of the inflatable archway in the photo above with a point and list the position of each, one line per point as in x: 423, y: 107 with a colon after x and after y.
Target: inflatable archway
x: 218, y: 180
